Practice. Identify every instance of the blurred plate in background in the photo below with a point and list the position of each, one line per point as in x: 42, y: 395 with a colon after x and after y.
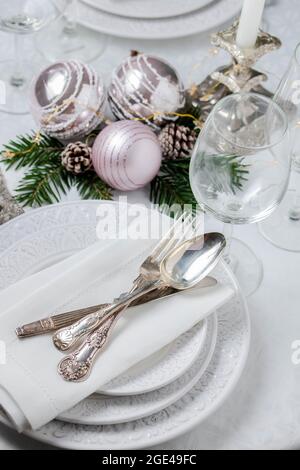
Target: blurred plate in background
x: 148, y: 8
x: 204, y: 19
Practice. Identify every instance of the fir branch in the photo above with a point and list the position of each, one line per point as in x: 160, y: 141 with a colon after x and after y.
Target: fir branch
x: 44, y: 184
x: 226, y: 173
x: 31, y: 150
x: 46, y: 180
x: 90, y: 186
x: 172, y: 185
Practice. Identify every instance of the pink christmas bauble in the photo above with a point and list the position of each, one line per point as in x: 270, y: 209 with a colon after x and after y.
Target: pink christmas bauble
x: 127, y: 155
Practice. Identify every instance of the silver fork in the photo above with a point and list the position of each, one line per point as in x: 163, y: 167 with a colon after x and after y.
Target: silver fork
x: 68, y: 337
x: 77, y: 366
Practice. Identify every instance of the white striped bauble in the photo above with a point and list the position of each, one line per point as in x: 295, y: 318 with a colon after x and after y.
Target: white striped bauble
x: 67, y: 100
x: 143, y: 86
x: 127, y: 155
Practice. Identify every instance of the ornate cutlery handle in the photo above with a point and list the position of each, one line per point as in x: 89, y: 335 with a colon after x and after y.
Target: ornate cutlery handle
x: 77, y: 366
x: 62, y: 320
x: 65, y: 338
x: 68, y: 337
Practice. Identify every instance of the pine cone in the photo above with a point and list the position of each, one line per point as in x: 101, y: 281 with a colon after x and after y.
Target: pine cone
x: 77, y: 158
x: 177, y: 141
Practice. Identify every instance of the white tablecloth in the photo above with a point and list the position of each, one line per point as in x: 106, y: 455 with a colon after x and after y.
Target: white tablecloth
x: 264, y: 410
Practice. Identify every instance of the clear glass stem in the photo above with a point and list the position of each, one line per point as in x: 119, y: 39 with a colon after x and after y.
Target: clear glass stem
x: 70, y: 28
x: 229, y: 256
x: 18, y: 78
x: 294, y: 213
x: 228, y: 233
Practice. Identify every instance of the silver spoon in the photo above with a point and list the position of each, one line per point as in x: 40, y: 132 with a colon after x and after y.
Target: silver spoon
x: 182, y: 269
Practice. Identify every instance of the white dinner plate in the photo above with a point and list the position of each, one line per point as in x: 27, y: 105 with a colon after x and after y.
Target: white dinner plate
x: 98, y: 410
x: 210, y: 392
x: 215, y: 385
x: 40, y: 249
x: 148, y: 8
x: 204, y: 19
x: 161, y: 368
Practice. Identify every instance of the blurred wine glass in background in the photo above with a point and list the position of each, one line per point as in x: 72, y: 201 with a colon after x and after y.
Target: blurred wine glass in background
x: 66, y: 39
x: 283, y: 227
x: 22, y: 17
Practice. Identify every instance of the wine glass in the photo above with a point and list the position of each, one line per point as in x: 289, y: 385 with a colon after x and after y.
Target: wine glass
x: 240, y: 169
x: 66, y: 39
x: 21, y: 17
x: 283, y: 227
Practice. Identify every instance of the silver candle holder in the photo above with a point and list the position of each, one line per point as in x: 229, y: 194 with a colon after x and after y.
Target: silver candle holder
x: 239, y: 75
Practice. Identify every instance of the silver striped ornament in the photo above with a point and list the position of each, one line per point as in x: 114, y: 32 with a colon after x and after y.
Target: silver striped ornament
x: 143, y: 86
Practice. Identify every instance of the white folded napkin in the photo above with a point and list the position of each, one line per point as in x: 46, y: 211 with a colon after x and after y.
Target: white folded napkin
x: 31, y: 391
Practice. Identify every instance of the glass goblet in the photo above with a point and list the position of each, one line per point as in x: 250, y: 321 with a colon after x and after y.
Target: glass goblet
x: 240, y: 169
x: 283, y: 227
x: 66, y: 39
x: 21, y: 17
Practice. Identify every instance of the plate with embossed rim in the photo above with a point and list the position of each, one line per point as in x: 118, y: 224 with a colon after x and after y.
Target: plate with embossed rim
x: 204, y: 19
x: 44, y: 248
x: 210, y: 392
x: 148, y: 8
x: 69, y: 228
x: 162, y: 368
x: 98, y: 410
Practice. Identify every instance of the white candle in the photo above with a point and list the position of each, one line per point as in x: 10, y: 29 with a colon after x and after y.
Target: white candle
x: 250, y: 22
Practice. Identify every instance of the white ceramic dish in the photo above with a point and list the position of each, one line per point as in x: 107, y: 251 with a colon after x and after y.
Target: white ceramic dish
x: 210, y: 392
x: 162, y: 368
x: 148, y: 8
x: 98, y: 410
x: 42, y: 248
x: 205, y: 19
x: 207, y: 395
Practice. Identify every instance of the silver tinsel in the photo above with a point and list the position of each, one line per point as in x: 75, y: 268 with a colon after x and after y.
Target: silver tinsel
x: 8, y: 206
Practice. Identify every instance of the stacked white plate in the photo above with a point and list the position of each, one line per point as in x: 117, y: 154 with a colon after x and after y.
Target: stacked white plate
x: 156, y: 19
x: 159, y: 399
